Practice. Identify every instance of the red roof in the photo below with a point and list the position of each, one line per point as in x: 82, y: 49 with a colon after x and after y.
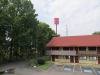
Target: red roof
x: 87, y: 40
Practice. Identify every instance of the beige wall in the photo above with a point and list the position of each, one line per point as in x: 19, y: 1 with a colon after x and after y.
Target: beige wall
x: 80, y: 61
x: 88, y: 61
x: 63, y: 60
x: 56, y: 52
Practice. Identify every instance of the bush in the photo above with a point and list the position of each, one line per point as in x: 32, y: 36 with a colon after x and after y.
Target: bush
x: 32, y: 63
x: 47, y: 58
x: 41, y: 61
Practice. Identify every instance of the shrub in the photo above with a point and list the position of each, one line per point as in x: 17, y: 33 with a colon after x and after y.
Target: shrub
x: 32, y: 63
x: 41, y: 61
x: 47, y: 58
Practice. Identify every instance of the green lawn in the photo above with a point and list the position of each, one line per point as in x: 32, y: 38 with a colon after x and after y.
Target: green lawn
x: 47, y: 64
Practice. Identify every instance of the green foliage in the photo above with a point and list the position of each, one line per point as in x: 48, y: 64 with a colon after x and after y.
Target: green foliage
x: 45, y: 34
x: 96, y: 33
x: 45, y: 66
x: 33, y: 63
x: 20, y: 31
x: 47, y: 58
x: 17, y: 23
x: 41, y: 61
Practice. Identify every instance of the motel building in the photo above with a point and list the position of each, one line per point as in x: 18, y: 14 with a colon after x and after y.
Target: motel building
x: 75, y: 49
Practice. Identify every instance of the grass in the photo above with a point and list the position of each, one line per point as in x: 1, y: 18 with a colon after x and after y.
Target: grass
x: 45, y: 66
x: 33, y: 63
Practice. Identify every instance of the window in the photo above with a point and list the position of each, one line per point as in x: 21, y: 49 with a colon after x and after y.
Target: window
x: 71, y: 48
x: 58, y: 56
x: 65, y: 48
x: 82, y: 48
x: 93, y: 58
x: 66, y: 57
x: 92, y: 48
x: 83, y: 58
x: 55, y: 48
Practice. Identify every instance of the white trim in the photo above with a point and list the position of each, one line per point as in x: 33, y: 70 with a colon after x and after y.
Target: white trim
x: 73, y: 68
x: 94, y: 71
x: 62, y: 67
x: 81, y: 68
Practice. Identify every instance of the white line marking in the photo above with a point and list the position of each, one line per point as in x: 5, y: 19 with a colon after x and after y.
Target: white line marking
x: 73, y: 68
x: 81, y: 68
x: 62, y: 67
x: 94, y: 71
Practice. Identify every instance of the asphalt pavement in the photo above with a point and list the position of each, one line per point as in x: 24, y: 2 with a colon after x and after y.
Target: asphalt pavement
x: 22, y: 68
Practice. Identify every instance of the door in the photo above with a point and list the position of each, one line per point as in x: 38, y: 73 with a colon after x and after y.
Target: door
x: 98, y: 50
x: 76, y: 59
x: 53, y: 57
x: 72, y: 59
x: 98, y: 60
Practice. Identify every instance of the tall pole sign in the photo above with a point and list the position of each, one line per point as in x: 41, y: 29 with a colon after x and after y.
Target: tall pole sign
x: 56, y: 22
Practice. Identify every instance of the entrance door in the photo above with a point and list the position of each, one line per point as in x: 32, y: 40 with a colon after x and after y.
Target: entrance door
x: 53, y: 58
x: 98, y: 60
x: 72, y: 59
x: 76, y: 59
x: 98, y: 50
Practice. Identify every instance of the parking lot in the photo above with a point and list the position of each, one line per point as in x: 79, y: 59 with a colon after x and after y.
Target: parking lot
x: 86, y: 70
x: 21, y: 68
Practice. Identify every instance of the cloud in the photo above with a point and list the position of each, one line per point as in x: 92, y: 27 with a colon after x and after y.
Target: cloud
x: 80, y: 16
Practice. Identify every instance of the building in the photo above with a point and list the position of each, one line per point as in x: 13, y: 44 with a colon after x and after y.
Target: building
x: 75, y: 49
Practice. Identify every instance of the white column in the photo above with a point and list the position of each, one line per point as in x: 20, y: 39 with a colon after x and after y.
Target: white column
x: 87, y: 52
x: 61, y: 48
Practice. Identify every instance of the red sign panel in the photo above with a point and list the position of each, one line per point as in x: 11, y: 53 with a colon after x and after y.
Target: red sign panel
x: 56, y: 21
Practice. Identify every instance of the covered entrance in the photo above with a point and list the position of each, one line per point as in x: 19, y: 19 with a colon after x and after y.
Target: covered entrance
x: 53, y: 57
x: 98, y: 60
x: 76, y: 59
x: 98, y: 52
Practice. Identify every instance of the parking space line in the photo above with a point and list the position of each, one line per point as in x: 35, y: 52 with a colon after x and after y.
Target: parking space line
x: 94, y: 71
x: 73, y: 68
x: 81, y: 68
x: 62, y: 67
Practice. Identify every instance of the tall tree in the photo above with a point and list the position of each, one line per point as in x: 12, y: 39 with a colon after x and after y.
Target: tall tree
x: 45, y: 33
x: 3, y: 28
x: 18, y: 23
x: 20, y: 31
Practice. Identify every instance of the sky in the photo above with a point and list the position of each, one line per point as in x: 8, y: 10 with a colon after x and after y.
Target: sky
x: 76, y: 17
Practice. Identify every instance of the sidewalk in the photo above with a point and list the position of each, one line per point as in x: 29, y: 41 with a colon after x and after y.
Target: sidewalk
x: 80, y: 64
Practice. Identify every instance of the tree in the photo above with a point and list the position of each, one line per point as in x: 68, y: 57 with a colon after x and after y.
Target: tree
x: 17, y: 23
x: 3, y: 29
x: 45, y: 34
x: 96, y: 33
x: 20, y: 31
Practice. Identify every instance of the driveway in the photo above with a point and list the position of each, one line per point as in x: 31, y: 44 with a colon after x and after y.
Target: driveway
x: 22, y: 68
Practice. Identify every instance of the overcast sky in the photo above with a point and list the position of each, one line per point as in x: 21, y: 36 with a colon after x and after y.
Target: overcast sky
x: 77, y: 17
